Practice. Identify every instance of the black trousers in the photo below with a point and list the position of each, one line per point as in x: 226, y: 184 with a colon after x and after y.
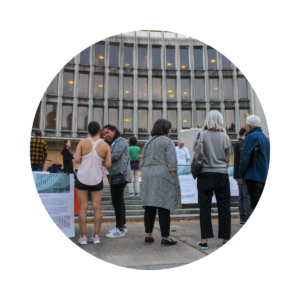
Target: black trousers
x: 255, y: 189
x: 164, y: 220
x: 117, y: 197
x: 218, y: 183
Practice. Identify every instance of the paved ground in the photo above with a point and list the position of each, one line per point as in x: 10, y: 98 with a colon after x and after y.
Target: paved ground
x: 130, y: 251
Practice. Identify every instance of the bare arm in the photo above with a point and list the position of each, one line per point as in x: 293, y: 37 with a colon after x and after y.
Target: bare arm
x: 77, y: 157
x: 228, y: 157
x: 107, y: 159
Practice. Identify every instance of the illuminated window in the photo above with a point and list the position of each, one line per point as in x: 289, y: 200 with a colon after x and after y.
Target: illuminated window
x: 244, y: 113
x: 156, y: 115
x: 99, y: 86
x: 171, y: 88
x: 68, y: 88
x: 52, y: 88
x: 128, y: 87
x: 172, y: 117
x: 113, y: 90
x: 214, y: 89
x: 113, y: 116
x: 113, y: 55
x: 127, y: 125
x: 228, y: 88
x: 83, y: 87
x: 99, y: 55
x: 200, y: 89
x: 230, y: 121
x: 98, y: 115
x: 142, y: 57
x: 226, y: 63
x: 200, y: 114
x: 198, y: 58
x: 212, y: 59
x: 184, y: 58
x: 85, y: 56
x: 185, y: 89
x: 143, y: 88
x: 143, y: 121
x: 128, y: 56
x: 156, y: 57
x: 36, y: 121
x: 51, y: 116
x: 170, y: 58
x: 186, y: 119
x: 156, y: 85
x: 82, y: 118
x: 67, y: 116
x: 243, y: 88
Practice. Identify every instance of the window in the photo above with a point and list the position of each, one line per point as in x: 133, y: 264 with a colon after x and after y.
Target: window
x: 128, y: 115
x: 83, y: 87
x: 171, y: 88
x: 212, y: 59
x: 128, y: 56
x: 72, y: 61
x: 186, y: 116
x: 198, y: 58
x: 226, y: 63
x: 143, y: 121
x: 113, y: 116
x: 51, y: 116
x: 85, y: 56
x: 82, y: 118
x: 68, y: 87
x: 200, y: 114
x: 99, y: 86
x: 228, y: 88
x: 156, y: 92
x: 214, y: 89
x: 142, y: 57
x: 170, y: 58
x: 244, y: 113
x: 185, y: 89
x: 113, y: 90
x: 128, y: 82
x: 230, y: 123
x: 184, y: 58
x: 172, y: 117
x: 243, y: 88
x: 200, y: 89
x: 67, y: 116
x: 36, y: 121
x: 99, y: 55
x: 98, y: 115
x: 113, y: 55
x: 52, y: 88
x: 156, y: 115
x: 143, y: 87
x: 156, y: 58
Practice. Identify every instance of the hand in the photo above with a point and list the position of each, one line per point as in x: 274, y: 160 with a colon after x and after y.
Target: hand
x: 174, y: 173
x: 243, y: 182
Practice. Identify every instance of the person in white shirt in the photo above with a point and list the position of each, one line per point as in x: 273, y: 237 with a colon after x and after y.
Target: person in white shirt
x: 183, y: 155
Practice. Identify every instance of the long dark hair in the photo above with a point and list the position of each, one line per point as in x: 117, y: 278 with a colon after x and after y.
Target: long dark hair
x: 112, y: 128
x: 64, y: 146
x: 161, y: 127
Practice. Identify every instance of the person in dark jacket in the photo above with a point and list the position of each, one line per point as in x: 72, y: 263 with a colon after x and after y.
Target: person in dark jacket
x: 255, y: 159
x: 245, y: 209
x: 67, y: 157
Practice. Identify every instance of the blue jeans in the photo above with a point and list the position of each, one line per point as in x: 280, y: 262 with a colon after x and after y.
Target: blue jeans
x: 37, y: 167
x: 244, y: 202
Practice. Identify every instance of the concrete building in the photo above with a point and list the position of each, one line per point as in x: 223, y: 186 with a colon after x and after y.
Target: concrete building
x: 131, y: 80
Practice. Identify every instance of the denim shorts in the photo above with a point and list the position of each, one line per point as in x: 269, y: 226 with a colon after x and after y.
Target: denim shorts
x: 91, y: 188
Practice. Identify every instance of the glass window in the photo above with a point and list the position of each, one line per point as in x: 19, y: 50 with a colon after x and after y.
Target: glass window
x: 72, y: 61
x: 170, y: 58
x: 185, y: 89
x: 113, y: 90
x: 128, y: 56
x: 98, y: 115
x: 51, y: 116
x: 99, y: 55
x: 68, y: 83
x: 142, y: 57
x: 172, y: 117
x: 156, y: 115
x: 83, y: 87
x: 82, y: 118
x: 214, y: 89
x: 171, y: 88
x: 156, y: 84
x: 36, y: 121
x: 226, y: 63
x: 113, y: 116
x: 200, y: 89
x: 212, y: 59
x: 198, y: 58
x: 230, y: 123
x: 243, y: 88
x: 200, y: 117
x: 99, y: 86
x: 85, y: 56
x: 156, y: 58
x: 128, y: 83
x: 244, y: 113
x: 184, y: 58
x: 67, y: 116
x: 143, y: 121
x: 128, y: 115
x: 228, y: 88
x: 143, y: 86
x: 186, y: 116
x: 113, y: 55
x: 52, y: 88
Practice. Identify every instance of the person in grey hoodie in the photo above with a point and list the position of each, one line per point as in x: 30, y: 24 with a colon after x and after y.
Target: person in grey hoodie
x: 120, y: 165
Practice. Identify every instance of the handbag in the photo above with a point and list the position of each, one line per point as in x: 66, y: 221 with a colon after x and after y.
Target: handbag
x: 197, y: 162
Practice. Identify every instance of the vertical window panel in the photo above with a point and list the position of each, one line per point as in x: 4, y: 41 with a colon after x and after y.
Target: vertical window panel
x: 186, y: 116
x: 99, y: 86
x: 67, y: 117
x: 143, y: 88
x: 230, y: 120
x: 172, y: 117
x: 156, y: 58
x: 143, y: 121
x: 99, y: 55
x: 113, y: 90
x: 85, y: 56
x: 185, y: 89
x: 128, y: 56
x: 51, y: 116
x: 199, y: 89
x: 156, y: 115
x: 98, y: 115
x: 83, y: 87
x: 214, y: 89
x: 53, y: 87
x: 36, y: 121
x: 184, y: 58
x: 244, y: 113
x: 128, y: 122
x: 226, y: 63
x: 68, y: 88
x: 82, y: 118
x: 142, y: 57
x: 113, y: 116
x: 128, y: 87
x: 212, y: 59
x: 198, y: 59
x: 113, y: 55
x: 171, y: 88
x: 228, y: 88
x: 242, y: 88
x: 200, y: 114
x: 170, y: 58
x: 156, y: 85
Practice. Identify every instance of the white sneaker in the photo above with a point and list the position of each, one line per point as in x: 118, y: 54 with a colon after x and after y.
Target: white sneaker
x: 95, y: 239
x: 82, y: 240
x: 116, y: 233
x: 124, y: 229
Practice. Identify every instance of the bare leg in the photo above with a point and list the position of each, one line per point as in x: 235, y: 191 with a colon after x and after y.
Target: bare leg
x: 96, y: 199
x: 83, y: 206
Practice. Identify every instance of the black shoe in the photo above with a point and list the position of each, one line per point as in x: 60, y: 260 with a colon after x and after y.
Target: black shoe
x: 203, y: 246
x: 148, y: 240
x: 165, y: 242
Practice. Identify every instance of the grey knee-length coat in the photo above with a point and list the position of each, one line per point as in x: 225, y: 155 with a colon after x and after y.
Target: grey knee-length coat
x: 159, y: 187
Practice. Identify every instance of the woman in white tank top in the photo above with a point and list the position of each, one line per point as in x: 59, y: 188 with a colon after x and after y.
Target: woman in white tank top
x: 90, y: 153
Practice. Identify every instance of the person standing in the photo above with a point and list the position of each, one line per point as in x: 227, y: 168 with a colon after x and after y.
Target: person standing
x: 119, y: 165
x: 67, y: 157
x: 160, y: 185
x: 244, y: 198
x: 38, y: 152
x: 182, y: 153
x: 134, y: 151
x: 255, y: 159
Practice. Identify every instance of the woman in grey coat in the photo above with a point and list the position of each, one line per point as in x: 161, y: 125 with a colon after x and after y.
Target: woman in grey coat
x: 160, y: 183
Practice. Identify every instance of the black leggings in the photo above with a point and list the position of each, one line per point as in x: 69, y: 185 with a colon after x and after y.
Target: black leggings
x: 117, y: 197
x: 164, y: 220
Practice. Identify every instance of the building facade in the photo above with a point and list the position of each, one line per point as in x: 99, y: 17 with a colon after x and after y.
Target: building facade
x: 133, y: 79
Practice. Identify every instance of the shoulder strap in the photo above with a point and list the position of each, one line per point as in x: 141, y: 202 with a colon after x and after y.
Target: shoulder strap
x: 151, y: 141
